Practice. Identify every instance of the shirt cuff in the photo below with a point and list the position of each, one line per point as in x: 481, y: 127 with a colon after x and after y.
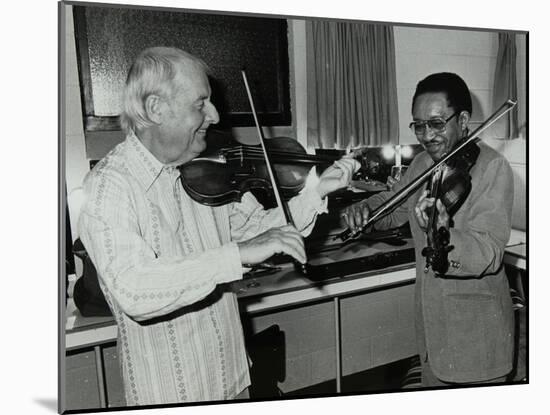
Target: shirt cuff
x: 311, y: 199
x: 229, y: 260
x: 455, y: 264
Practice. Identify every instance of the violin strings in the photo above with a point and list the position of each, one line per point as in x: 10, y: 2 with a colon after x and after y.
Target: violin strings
x: 244, y: 151
x: 288, y: 158
x: 288, y: 161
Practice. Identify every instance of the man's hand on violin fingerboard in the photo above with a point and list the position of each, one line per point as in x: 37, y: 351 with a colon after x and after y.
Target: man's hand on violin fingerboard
x: 422, y: 206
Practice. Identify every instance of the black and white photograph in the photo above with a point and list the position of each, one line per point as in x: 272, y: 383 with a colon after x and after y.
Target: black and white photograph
x: 265, y: 207
x: 271, y: 208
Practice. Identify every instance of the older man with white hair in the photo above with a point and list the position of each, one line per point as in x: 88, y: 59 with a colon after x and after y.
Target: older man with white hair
x: 163, y: 260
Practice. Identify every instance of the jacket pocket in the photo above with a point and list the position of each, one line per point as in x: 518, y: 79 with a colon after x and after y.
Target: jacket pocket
x: 474, y: 332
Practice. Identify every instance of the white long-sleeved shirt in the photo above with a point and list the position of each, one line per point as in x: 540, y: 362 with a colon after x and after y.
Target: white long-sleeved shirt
x: 162, y: 261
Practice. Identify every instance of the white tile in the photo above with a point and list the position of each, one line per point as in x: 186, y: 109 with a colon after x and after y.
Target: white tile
x: 521, y: 45
x: 482, y: 100
x: 479, y: 71
x: 432, y: 40
x: 404, y: 102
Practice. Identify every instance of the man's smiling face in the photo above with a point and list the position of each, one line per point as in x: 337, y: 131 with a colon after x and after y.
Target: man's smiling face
x: 190, y: 113
x: 433, y: 105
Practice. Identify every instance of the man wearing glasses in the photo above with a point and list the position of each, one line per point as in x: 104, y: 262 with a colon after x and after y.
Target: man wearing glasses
x: 463, y: 316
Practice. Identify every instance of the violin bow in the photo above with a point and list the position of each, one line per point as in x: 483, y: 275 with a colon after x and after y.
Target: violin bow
x: 406, y: 191
x: 303, y: 268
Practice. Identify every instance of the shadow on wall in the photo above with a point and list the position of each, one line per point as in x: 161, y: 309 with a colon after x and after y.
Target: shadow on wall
x: 268, y: 355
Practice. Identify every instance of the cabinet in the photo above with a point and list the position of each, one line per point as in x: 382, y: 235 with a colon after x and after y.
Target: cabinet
x: 84, y: 390
x: 323, y: 334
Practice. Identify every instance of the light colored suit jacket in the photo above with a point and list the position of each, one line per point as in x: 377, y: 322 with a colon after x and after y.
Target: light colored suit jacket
x: 464, y: 320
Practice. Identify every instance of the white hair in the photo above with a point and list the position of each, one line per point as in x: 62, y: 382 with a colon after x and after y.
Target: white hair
x: 152, y: 73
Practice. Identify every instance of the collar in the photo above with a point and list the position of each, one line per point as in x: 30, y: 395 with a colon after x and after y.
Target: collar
x: 147, y: 167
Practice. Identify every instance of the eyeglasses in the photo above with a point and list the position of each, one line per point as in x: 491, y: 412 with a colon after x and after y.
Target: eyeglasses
x: 438, y: 125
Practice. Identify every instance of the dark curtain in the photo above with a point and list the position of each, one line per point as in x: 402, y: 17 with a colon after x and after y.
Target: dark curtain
x: 506, y: 85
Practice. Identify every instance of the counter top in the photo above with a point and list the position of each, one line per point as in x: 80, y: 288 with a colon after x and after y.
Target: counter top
x: 283, y: 287
x: 286, y: 287
x: 255, y: 295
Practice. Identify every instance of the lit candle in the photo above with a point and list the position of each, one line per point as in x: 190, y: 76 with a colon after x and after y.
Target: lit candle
x: 398, y: 155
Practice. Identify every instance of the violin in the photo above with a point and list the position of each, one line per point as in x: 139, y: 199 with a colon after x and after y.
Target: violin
x: 224, y: 172
x: 228, y: 169
x: 455, y: 180
x: 451, y: 183
x: 451, y: 193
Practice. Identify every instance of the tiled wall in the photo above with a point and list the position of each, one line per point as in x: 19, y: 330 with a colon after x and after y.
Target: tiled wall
x: 515, y: 152
x: 470, y: 54
x: 419, y: 52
